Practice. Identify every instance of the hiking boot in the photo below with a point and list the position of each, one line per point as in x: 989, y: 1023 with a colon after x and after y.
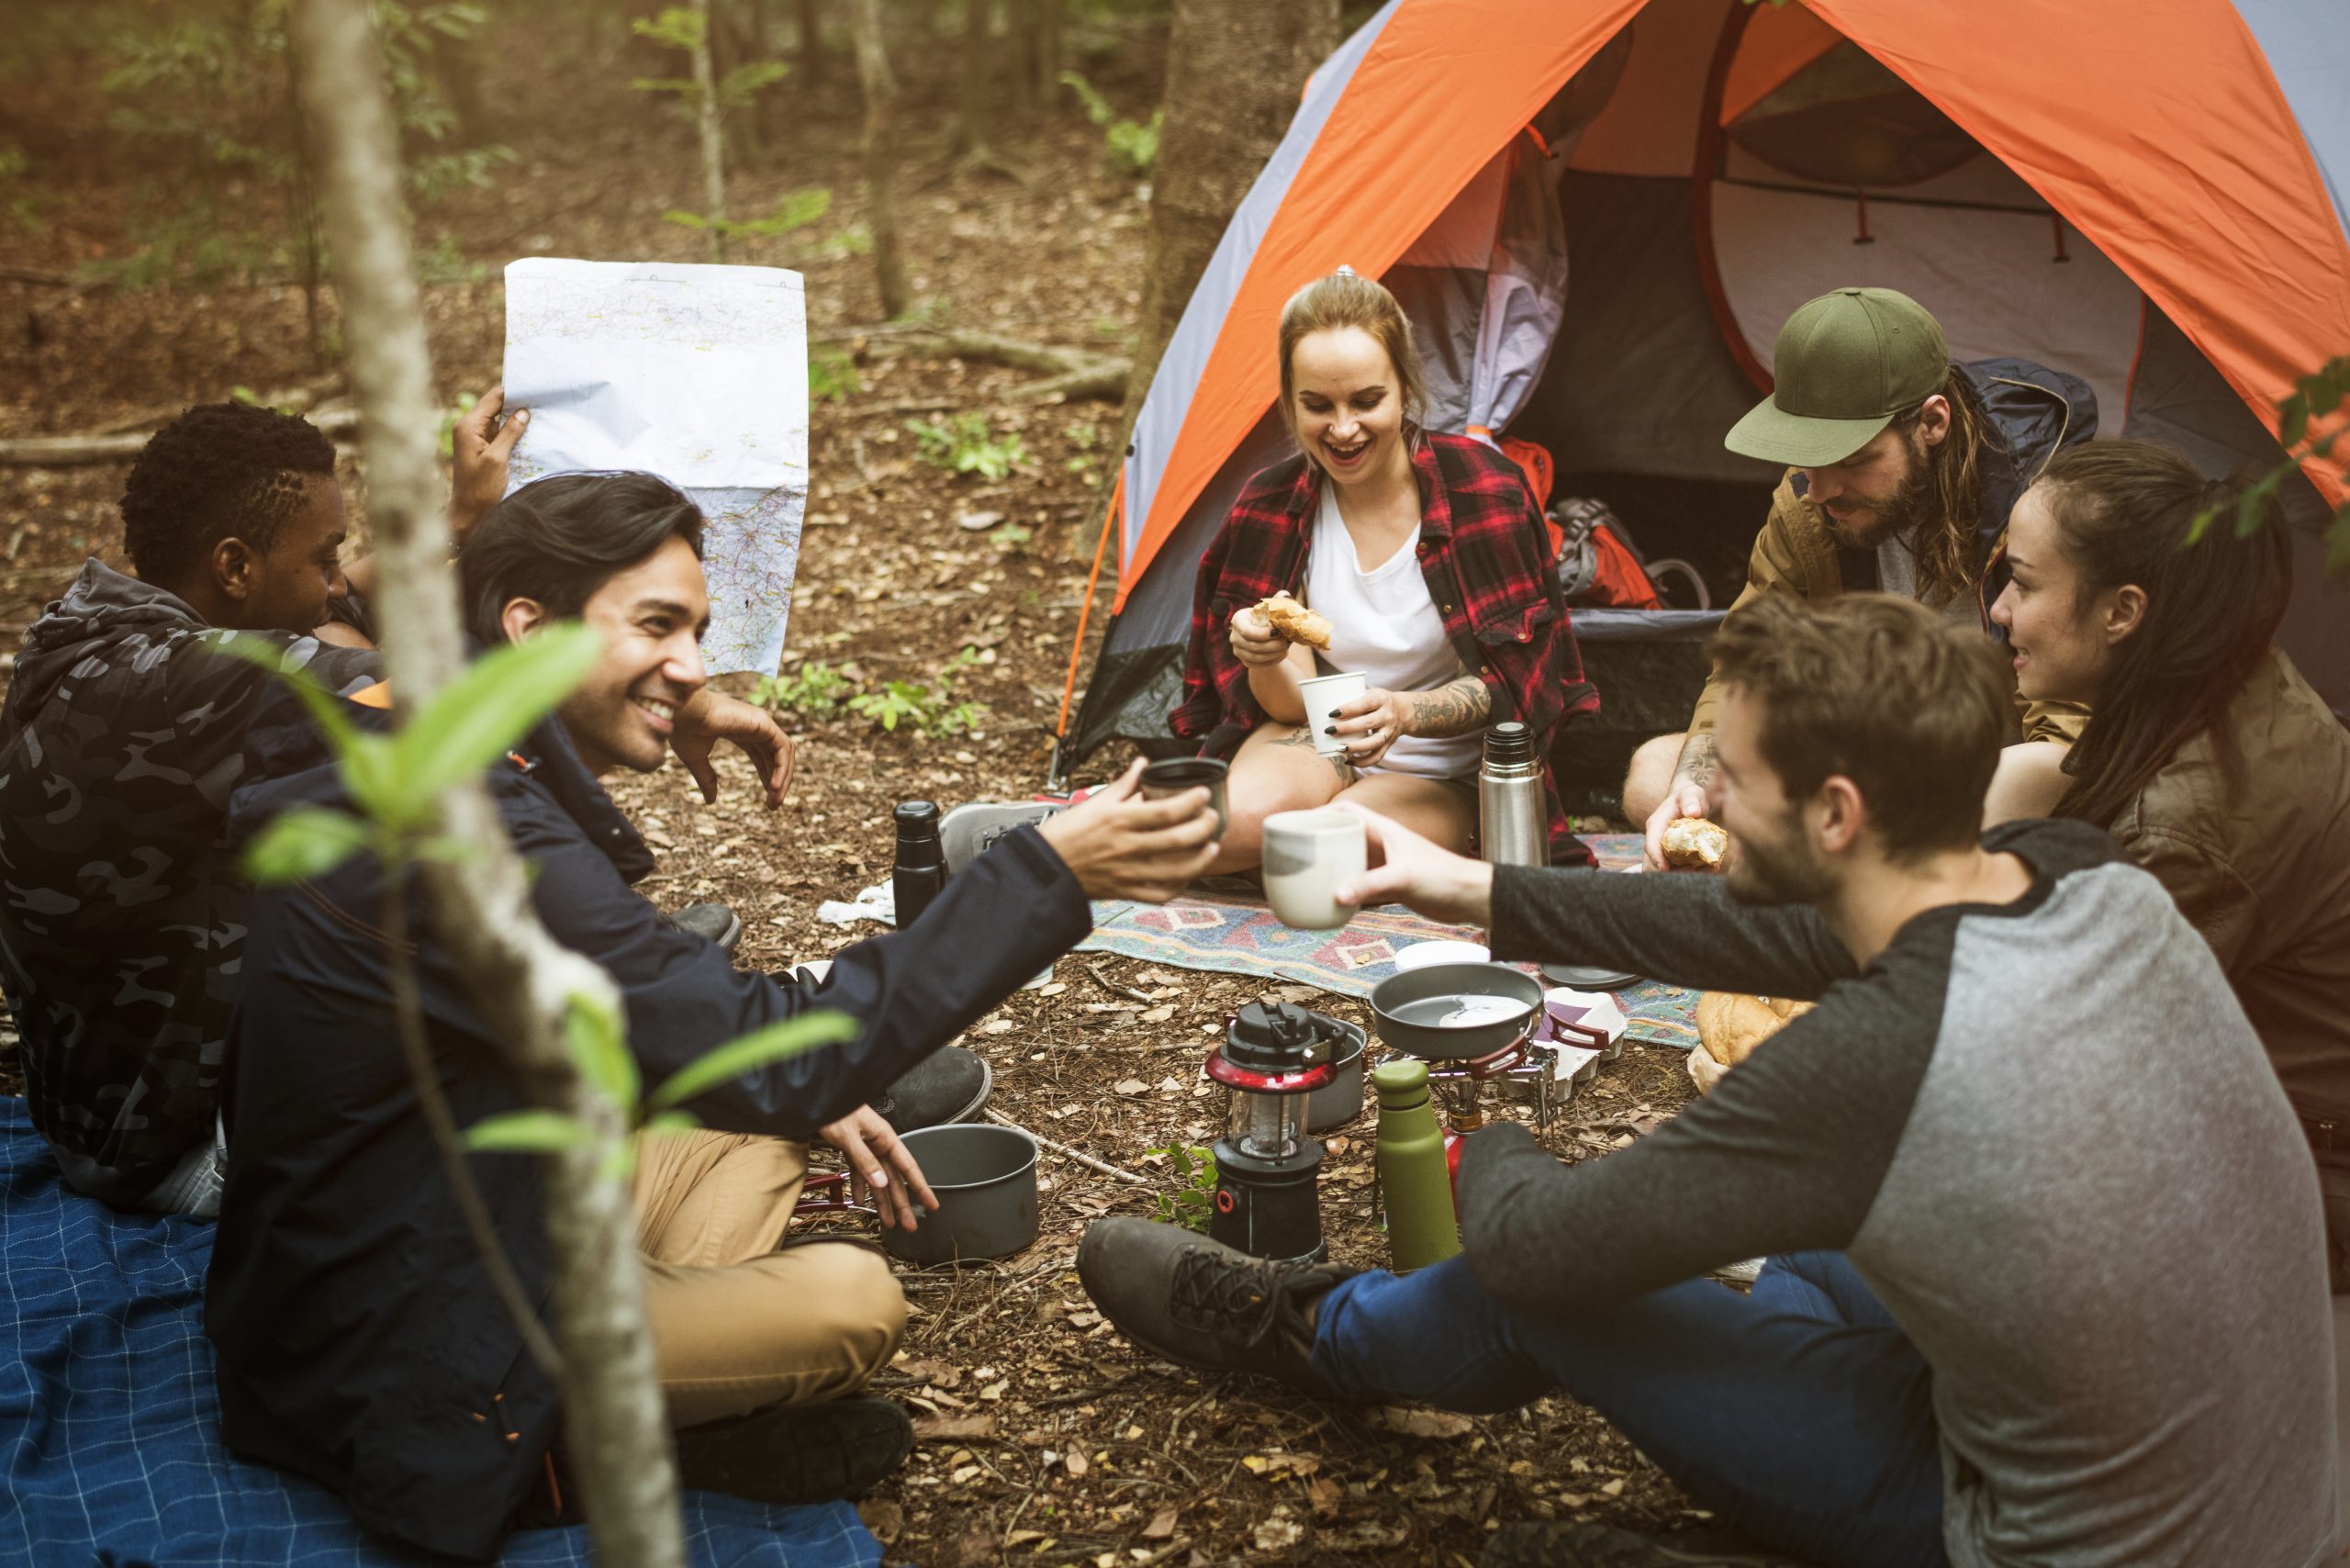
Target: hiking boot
x: 1564, y: 1543
x: 713, y: 920
x: 1199, y: 1303
x: 971, y: 829
x: 798, y: 1453
x: 950, y: 1084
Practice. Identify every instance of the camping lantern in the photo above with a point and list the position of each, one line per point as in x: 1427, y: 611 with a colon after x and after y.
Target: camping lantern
x: 1272, y: 1059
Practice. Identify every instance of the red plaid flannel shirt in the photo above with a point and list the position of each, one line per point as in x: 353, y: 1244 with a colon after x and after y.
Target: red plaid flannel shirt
x: 1483, y: 552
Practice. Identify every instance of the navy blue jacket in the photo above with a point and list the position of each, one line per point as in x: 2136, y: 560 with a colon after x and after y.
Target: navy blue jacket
x: 358, y: 1338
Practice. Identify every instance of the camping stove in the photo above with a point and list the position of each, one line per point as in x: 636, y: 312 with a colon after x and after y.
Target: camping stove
x: 1460, y: 1086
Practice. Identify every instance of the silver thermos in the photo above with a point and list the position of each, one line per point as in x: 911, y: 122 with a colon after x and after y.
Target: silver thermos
x: 1513, y: 828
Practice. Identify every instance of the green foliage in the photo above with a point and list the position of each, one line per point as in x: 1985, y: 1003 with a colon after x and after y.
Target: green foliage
x: 832, y: 375
x: 931, y: 711
x: 18, y: 207
x: 1010, y: 535
x: 814, y: 690
x: 2315, y: 399
x: 964, y: 444
x: 1193, y: 1198
x: 800, y: 209
x: 680, y: 28
x: 1133, y: 147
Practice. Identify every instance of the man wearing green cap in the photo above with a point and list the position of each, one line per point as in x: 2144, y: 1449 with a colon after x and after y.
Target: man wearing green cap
x: 1901, y: 468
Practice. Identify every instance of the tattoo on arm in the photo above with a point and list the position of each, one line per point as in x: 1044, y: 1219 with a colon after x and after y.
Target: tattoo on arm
x: 1696, y: 764
x: 1453, y: 709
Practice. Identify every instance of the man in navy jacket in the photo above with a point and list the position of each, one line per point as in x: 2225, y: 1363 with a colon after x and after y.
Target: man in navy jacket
x: 359, y: 1341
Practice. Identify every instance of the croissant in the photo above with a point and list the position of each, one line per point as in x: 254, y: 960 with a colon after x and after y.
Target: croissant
x: 1692, y: 844
x: 1293, y: 620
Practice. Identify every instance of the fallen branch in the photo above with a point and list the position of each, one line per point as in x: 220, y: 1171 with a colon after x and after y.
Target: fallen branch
x: 937, y: 343
x: 83, y: 451
x: 1114, y: 988
x: 1128, y: 1177
x: 1102, y: 378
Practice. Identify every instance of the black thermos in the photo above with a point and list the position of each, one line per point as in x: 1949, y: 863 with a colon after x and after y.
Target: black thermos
x: 921, y: 867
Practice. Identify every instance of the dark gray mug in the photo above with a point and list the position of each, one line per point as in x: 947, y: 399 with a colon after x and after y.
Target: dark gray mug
x: 1173, y: 775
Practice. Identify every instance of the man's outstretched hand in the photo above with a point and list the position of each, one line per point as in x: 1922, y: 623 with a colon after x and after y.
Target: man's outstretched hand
x: 1120, y: 846
x: 710, y: 717
x: 1410, y: 871
x: 1685, y: 799
x: 872, y: 1149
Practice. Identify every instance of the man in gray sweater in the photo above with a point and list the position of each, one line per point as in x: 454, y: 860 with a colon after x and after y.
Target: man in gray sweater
x: 2047, y: 1280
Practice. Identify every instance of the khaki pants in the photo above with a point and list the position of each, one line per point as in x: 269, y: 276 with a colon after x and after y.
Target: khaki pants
x: 737, y: 1325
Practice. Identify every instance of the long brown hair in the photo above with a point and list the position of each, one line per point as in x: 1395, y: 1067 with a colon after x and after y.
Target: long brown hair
x: 1346, y: 299
x: 1946, y: 553
x: 2123, y: 511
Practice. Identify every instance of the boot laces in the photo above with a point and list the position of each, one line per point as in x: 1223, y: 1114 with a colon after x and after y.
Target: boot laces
x: 1234, y: 1300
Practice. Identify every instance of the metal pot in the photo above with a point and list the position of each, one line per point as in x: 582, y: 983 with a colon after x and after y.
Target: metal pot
x: 985, y: 1176
x: 1340, y: 1101
x: 1397, y: 1002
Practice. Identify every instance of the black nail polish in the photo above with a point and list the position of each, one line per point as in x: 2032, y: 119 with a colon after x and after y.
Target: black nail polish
x: 1329, y: 729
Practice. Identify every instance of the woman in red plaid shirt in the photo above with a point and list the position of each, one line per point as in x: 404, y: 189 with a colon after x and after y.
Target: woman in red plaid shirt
x: 1425, y: 554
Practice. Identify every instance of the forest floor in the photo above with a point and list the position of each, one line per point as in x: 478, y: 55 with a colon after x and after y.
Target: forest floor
x: 1047, y: 1439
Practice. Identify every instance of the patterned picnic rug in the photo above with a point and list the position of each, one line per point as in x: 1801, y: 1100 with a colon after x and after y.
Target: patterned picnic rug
x: 110, y: 1446
x: 1236, y: 934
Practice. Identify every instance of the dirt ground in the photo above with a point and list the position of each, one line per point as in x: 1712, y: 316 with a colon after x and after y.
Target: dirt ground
x: 1047, y: 1439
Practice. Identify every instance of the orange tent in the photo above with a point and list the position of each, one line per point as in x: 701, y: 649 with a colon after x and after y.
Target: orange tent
x: 2148, y: 201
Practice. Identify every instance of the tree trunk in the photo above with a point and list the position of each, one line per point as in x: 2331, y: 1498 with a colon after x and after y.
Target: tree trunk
x: 1020, y: 54
x: 524, y: 984
x: 879, y: 154
x: 970, y: 129
x: 1233, y: 72
x: 1049, y: 50
x: 713, y: 139
x: 811, y: 59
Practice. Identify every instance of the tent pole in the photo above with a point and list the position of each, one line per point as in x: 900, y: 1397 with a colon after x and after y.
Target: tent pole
x: 1053, y: 780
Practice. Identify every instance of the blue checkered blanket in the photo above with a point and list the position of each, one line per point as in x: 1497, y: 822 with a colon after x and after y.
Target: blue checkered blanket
x: 110, y: 1443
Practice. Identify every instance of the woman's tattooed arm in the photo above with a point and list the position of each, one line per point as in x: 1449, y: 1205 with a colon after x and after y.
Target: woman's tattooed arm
x: 1451, y: 710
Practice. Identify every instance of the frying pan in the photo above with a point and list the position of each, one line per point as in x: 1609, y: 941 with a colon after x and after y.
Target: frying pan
x: 1433, y: 1042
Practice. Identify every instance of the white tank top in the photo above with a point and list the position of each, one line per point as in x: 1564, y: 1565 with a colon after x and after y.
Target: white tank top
x: 1384, y: 626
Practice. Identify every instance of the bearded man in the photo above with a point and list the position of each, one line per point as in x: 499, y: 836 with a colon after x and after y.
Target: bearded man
x: 1901, y: 468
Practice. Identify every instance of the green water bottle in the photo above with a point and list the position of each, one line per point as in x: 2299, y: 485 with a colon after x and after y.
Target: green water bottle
x: 1412, y: 1179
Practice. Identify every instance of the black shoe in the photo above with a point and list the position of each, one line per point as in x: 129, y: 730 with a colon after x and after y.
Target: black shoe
x: 950, y: 1084
x: 715, y: 921
x: 798, y: 1453
x: 1562, y: 1543
x: 1187, y: 1299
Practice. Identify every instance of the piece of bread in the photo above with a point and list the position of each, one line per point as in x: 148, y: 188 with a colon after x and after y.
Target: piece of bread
x: 1293, y: 620
x: 1730, y: 1025
x: 1692, y: 844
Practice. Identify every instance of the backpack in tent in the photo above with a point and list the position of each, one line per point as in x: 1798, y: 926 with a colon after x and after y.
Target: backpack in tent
x: 1598, y: 212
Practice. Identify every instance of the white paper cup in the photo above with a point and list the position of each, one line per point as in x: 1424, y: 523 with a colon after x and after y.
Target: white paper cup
x: 1325, y: 695
x: 1309, y: 856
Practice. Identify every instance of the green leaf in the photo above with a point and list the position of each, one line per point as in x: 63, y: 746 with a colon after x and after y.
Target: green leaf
x: 685, y: 219
x: 527, y: 1131
x: 308, y: 841
x: 598, y: 1044
x: 809, y: 1031
x: 484, y: 712
x: 670, y: 1124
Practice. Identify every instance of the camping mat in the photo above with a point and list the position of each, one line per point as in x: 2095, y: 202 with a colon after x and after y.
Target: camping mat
x: 1231, y: 933
x: 111, y: 1432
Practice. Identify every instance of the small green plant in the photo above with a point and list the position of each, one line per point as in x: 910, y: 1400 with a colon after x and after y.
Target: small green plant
x: 1010, y: 536
x: 931, y: 711
x: 2315, y: 398
x: 1132, y: 146
x: 1193, y: 1198
x: 832, y: 375
x: 964, y: 444
x: 814, y: 690
x: 680, y: 28
x: 799, y: 209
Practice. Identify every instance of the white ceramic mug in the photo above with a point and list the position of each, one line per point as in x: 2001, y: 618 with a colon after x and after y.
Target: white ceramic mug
x: 1324, y: 695
x: 1309, y: 856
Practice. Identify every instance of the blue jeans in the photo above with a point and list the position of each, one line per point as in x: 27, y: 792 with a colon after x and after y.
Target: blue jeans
x: 1801, y: 1414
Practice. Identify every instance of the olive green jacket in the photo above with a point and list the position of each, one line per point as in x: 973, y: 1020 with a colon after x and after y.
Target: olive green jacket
x: 1796, y: 554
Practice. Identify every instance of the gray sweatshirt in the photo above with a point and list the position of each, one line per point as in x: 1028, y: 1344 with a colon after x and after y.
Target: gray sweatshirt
x: 2044, y: 1134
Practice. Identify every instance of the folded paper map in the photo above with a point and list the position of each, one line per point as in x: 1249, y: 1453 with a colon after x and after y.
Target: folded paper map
x: 697, y: 374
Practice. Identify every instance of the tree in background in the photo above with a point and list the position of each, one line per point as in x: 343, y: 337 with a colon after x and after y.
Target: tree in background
x: 879, y: 155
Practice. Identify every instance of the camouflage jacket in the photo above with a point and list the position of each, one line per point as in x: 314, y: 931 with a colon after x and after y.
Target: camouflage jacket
x: 122, y: 916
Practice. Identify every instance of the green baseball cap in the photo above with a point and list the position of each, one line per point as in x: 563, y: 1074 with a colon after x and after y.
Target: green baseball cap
x: 1846, y: 363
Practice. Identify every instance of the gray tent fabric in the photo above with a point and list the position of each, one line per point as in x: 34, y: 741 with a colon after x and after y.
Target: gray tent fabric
x: 2180, y: 400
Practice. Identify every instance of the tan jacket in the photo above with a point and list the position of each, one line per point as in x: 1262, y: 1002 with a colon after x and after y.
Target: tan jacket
x: 2264, y: 873
x: 1796, y: 554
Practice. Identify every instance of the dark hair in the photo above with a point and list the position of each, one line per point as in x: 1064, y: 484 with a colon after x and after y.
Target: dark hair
x: 219, y: 471
x: 559, y: 540
x: 1910, y: 706
x: 1946, y: 553
x: 2123, y: 511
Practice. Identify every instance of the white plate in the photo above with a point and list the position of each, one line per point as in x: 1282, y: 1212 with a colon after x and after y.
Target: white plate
x: 1419, y: 955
